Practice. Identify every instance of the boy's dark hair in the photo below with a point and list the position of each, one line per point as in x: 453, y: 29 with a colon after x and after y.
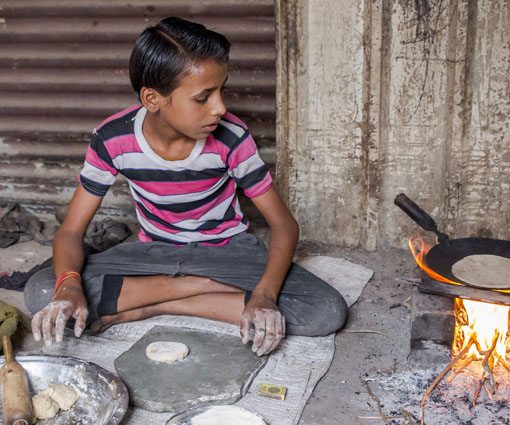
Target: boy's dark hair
x: 164, y: 52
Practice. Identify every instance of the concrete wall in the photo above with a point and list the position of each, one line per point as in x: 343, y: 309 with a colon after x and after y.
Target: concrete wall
x: 386, y: 96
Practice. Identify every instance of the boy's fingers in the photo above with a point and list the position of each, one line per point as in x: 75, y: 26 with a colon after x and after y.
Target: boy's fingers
x: 270, y: 334
x: 60, y: 323
x: 47, y: 324
x: 37, y: 322
x: 260, y: 332
x: 279, y: 331
x: 80, y: 315
x: 246, y: 322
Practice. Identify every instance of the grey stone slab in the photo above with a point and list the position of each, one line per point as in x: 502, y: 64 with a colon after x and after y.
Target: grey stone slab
x: 218, y: 370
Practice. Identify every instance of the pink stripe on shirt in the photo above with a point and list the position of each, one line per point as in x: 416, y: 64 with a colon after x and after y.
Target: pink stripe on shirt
x: 122, y: 144
x: 172, y: 217
x: 260, y: 188
x: 176, y: 188
x: 246, y: 149
x: 93, y: 159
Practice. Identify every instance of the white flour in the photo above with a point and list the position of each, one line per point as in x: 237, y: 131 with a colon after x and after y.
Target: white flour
x: 227, y: 415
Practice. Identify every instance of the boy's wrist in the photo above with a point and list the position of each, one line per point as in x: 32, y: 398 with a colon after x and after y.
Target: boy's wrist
x: 264, y: 292
x: 70, y: 276
x: 68, y: 285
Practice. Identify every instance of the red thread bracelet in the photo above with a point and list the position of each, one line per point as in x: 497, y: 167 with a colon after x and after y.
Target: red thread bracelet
x: 64, y: 276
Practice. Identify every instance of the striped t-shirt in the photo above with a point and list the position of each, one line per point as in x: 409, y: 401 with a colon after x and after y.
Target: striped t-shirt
x: 190, y: 200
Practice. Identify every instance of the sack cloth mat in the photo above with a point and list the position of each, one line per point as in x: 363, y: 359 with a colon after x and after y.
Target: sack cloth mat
x: 298, y: 363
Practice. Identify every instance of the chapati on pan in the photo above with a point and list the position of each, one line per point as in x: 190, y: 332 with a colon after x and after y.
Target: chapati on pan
x: 484, y: 271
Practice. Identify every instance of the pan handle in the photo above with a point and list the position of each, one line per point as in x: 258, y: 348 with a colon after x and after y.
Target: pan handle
x: 419, y: 216
x: 415, y: 212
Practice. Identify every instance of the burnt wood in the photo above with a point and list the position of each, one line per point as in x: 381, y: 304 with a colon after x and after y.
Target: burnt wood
x: 434, y: 287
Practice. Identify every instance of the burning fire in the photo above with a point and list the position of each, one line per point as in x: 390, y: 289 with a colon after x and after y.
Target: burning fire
x: 486, y: 323
x: 481, y: 331
x: 418, y: 255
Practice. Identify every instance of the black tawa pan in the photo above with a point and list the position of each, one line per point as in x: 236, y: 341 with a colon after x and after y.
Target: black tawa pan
x: 447, y: 252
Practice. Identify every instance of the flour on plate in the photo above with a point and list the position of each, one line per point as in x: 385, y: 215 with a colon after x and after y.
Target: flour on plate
x: 227, y: 415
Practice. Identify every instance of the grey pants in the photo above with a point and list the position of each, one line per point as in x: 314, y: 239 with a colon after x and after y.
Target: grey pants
x: 311, y: 307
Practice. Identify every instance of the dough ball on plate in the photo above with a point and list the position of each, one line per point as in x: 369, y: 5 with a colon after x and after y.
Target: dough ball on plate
x: 44, y: 406
x: 64, y: 395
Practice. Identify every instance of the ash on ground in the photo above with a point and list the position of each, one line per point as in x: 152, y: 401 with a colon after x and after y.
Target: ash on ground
x: 449, y: 403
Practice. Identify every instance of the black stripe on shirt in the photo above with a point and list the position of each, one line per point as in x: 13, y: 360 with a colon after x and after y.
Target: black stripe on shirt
x: 230, y: 214
x: 149, y: 175
x: 93, y: 187
x: 226, y: 136
x: 123, y: 125
x: 157, y: 238
x: 150, y: 216
x: 252, y: 178
x: 187, y: 206
x: 97, y: 144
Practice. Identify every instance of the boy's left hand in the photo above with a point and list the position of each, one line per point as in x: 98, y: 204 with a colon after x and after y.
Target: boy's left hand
x: 264, y: 315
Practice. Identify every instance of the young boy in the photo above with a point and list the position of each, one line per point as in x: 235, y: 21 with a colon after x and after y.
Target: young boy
x: 184, y: 156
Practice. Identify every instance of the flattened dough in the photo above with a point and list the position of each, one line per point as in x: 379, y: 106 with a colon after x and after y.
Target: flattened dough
x: 485, y: 271
x: 227, y: 415
x: 166, y: 351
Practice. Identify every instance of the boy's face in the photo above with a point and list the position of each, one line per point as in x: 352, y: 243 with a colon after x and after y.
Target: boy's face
x: 193, y: 109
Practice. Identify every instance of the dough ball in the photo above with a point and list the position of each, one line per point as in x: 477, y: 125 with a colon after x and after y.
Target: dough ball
x: 227, y: 415
x: 166, y: 351
x: 44, y: 406
x: 64, y: 395
x: 486, y: 271
x: 57, y: 396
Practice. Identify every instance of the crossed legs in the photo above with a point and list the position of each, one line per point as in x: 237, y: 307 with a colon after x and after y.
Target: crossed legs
x: 142, y: 297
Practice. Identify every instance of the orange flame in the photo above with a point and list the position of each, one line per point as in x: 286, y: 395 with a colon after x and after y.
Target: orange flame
x: 418, y: 256
x: 483, y: 319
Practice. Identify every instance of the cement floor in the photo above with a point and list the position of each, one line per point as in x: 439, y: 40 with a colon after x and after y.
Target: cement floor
x: 340, y: 397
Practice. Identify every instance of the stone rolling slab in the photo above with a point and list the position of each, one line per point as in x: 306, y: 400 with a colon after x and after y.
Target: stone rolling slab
x: 218, y: 370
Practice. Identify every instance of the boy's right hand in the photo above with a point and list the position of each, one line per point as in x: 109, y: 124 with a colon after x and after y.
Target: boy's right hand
x: 69, y: 301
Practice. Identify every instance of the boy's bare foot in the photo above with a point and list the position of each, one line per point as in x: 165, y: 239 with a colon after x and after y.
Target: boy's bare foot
x: 222, y: 306
x: 126, y: 316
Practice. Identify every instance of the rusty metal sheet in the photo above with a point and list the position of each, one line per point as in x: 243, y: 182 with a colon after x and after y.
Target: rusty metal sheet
x: 63, y: 69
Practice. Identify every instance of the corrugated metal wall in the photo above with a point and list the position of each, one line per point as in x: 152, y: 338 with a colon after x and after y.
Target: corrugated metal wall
x: 63, y: 69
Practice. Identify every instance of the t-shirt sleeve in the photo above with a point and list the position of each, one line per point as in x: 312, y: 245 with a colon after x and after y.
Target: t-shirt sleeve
x: 247, y: 168
x: 98, y: 172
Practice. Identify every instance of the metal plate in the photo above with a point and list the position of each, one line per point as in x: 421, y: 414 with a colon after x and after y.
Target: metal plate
x: 103, y: 396
x: 443, y: 256
x: 186, y: 418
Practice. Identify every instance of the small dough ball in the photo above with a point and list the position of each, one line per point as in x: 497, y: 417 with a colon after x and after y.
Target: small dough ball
x: 44, y: 406
x: 166, y: 351
x: 64, y: 395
